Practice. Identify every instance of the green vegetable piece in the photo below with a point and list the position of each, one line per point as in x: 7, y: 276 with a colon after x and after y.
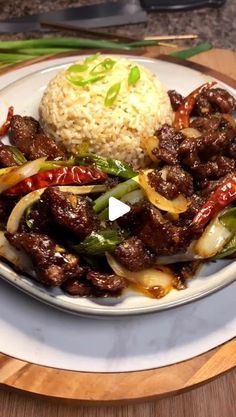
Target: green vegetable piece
x: 228, y: 219
x: 108, y: 165
x: 228, y: 250
x: 103, y: 66
x: 188, y: 53
x: 92, y: 58
x: 81, y: 81
x: 134, y: 75
x: 74, y: 69
x: 112, y: 94
x: 97, y: 243
x: 121, y: 189
x: 18, y: 155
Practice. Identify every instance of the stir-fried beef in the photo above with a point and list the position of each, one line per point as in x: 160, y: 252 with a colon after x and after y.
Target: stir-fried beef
x: 169, y: 140
x: 78, y: 287
x: 106, y: 282
x: 177, y: 181
x: 42, y: 145
x: 133, y: 220
x: 23, y: 130
x: 212, y: 122
x: 208, y: 155
x: 6, y: 156
x: 95, y: 284
x: 53, y: 264
x: 175, y: 98
x: 160, y: 235
x: 217, y: 168
x: 195, y: 203
x: 215, y: 99
x: 32, y: 141
x: 73, y: 214
x: 133, y: 254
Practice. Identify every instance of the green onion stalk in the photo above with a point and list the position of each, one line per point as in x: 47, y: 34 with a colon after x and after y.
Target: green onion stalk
x: 12, y: 52
x: 98, y: 243
x: 126, y: 187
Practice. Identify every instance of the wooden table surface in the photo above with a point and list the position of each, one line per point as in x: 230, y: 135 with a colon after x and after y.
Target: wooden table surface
x: 215, y: 399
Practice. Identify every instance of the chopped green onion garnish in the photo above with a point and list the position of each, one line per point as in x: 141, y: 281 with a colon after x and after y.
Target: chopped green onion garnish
x: 134, y: 75
x: 81, y: 81
x: 112, y: 94
x: 91, y: 58
x: 103, y: 66
x: 74, y: 69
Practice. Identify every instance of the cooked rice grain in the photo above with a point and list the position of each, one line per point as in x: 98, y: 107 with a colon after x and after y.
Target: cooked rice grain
x: 77, y: 115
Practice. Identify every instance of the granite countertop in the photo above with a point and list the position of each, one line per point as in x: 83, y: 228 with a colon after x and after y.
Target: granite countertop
x: 217, y: 26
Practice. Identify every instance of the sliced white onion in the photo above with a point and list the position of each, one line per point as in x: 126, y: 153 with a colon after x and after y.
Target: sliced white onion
x: 7, y: 170
x: 31, y: 198
x: 191, y: 132
x: 177, y: 205
x: 148, y: 144
x: 18, y: 174
x: 149, y: 279
x: 213, y: 239
x: 16, y: 257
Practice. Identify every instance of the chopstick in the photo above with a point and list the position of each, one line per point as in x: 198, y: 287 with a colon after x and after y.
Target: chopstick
x: 170, y: 37
x: 90, y: 32
x: 106, y: 35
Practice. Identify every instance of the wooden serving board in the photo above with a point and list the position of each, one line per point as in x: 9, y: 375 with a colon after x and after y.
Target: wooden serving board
x: 100, y: 388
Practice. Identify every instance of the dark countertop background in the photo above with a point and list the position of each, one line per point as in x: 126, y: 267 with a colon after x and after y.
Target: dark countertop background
x: 217, y: 26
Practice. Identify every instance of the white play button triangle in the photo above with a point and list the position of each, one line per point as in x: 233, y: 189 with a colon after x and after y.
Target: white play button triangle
x: 116, y: 209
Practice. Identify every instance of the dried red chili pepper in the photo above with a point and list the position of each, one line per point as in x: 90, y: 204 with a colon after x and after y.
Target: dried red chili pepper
x: 221, y: 198
x: 79, y: 175
x: 5, y: 127
x: 182, y: 115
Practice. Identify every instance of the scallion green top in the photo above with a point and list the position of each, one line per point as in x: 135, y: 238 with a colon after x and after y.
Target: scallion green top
x: 83, y: 74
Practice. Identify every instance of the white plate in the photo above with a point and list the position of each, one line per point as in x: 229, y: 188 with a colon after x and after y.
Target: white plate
x: 25, y: 94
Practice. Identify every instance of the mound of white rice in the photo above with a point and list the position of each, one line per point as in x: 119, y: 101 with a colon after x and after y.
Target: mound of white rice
x: 76, y: 115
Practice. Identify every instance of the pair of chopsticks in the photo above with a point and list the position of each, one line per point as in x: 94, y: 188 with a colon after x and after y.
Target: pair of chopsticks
x: 122, y: 38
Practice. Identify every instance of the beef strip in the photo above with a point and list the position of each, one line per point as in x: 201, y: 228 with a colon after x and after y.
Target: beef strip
x: 133, y: 255
x: 23, y: 130
x: 214, y: 169
x: 182, y: 272
x: 169, y: 140
x: 72, y: 213
x: 106, y: 282
x: 196, y: 202
x: 53, y: 264
x: 177, y: 182
x: 208, y: 156
x: 210, y: 122
x: 42, y: 145
x: 32, y: 141
x: 6, y: 156
x: 215, y: 100
x: 132, y: 221
x: 78, y: 287
x: 175, y: 98
x: 95, y: 284
x: 162, y: 236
